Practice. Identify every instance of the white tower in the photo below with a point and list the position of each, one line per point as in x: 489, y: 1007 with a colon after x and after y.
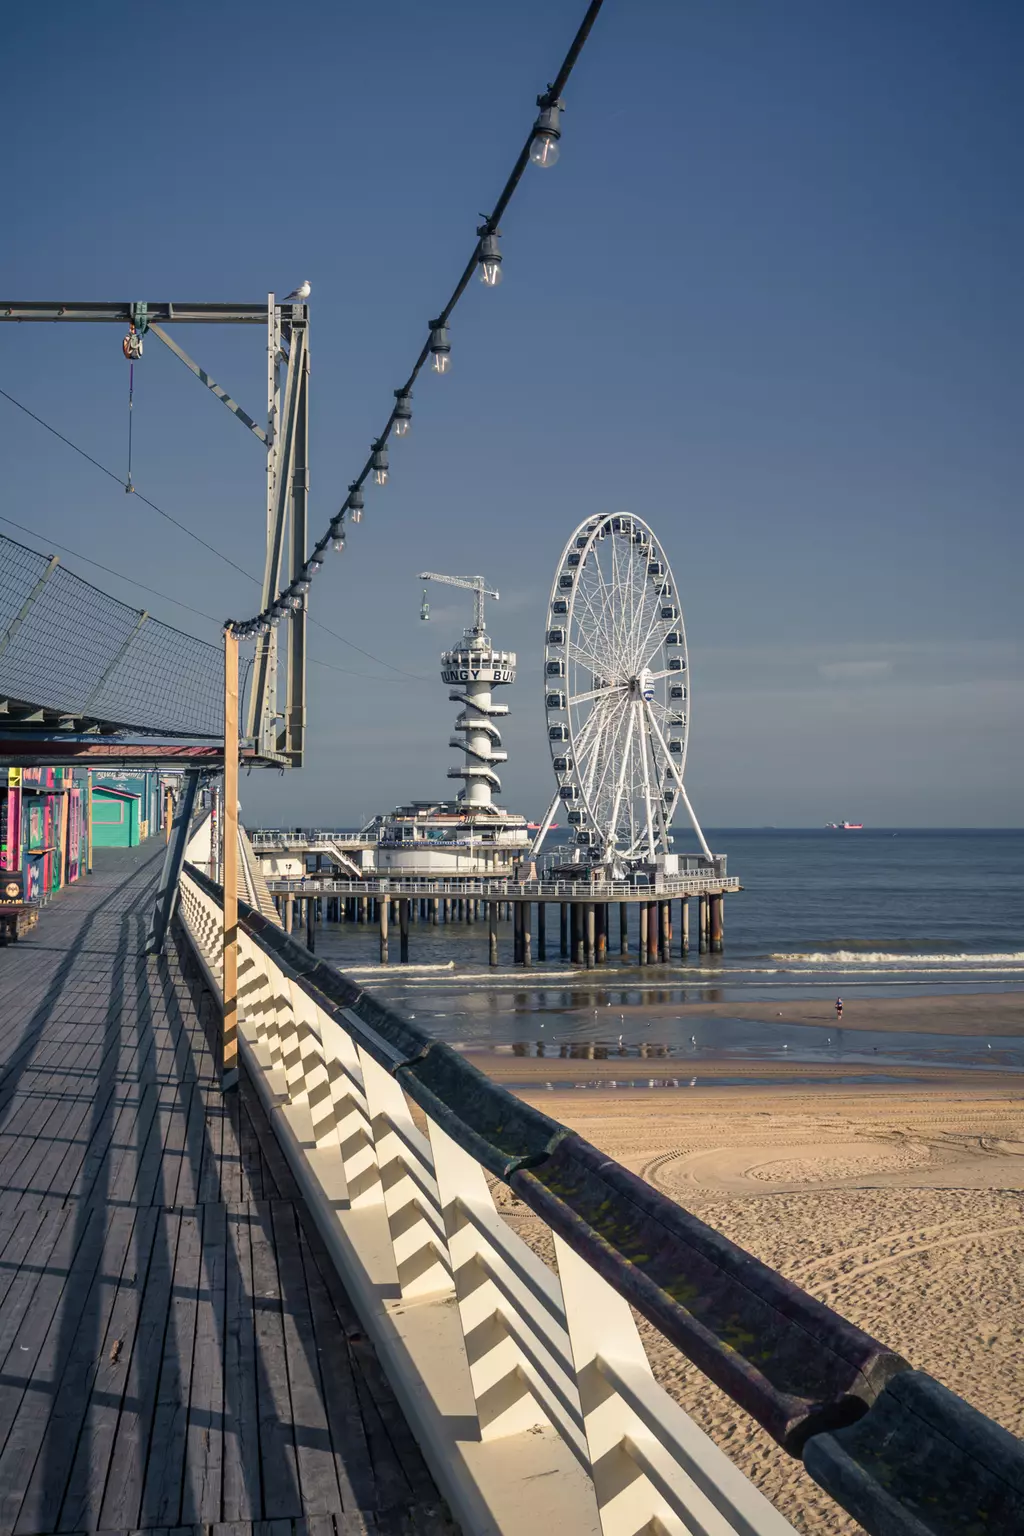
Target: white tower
x: 474, y: 668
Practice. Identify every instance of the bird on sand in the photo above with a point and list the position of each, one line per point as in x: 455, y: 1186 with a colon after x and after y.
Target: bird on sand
x: 301, y: 292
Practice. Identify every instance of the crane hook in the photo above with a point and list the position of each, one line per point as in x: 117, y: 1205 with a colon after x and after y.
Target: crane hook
x: 424, y: 606
x: 132, y: 344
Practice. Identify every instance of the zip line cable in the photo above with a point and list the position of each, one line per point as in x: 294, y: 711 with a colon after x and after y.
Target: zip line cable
x: 185, y: 529
x: 541, y: 147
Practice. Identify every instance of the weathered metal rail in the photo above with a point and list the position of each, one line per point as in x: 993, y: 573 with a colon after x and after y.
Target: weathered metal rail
x: 488, y: 889
x: 471, y: 1324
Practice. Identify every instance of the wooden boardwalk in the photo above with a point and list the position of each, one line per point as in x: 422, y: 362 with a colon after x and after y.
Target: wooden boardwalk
x: 176, y: 1350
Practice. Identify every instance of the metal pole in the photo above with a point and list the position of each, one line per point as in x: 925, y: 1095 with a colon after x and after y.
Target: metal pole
x: 492, y: 957
x: 666, y: 932
x: 310, y: 926
x: 88, y: 821
x: 517, y: 933
x: 403, y: 930
x: 601, y: 932
x: 652, y: 932
x: 174, y: 858
x: 717, y: 923
x: 588, y: 934
x: 382, y: 912
x: 542, y: 930
x: 643, y: 933
x: 702, y: 923
x: 684, y: 926
x: 623, y: 927
x: 527, y: 933
x: 229, y: 1066
x: 563, y: 930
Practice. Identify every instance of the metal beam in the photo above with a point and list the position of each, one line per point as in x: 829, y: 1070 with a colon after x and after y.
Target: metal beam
x: 174, y: 859
x: 22, y: 613
x: 295, y: 707
x: 168, y: 312
x: 211, y: 384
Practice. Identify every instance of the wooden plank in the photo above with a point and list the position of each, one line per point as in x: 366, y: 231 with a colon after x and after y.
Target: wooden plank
x: 281, y: 1498
x: 122, y: 1497
x: 204, y: 1446
x: 161, y: 1499
x: 318, y: 1479
x: 36, y: 1460
x: 83, y: 1497
x: 242, y: 1483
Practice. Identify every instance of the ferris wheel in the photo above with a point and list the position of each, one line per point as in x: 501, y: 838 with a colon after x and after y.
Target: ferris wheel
x: 617, y: 693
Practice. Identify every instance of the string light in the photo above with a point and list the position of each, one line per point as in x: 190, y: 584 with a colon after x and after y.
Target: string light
x: 542, y: 149
x: 489, y: 257
x: 546, y: 133
x: 402, y: 414
x: 440, y: 346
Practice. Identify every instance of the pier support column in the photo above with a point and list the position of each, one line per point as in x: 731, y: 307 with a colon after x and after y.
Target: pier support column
x: 433, y: 910
x: 684, y: 926
x: 311, y: 926
x: 492, y: 936
x: 382, y: 916
x: 542, y: 930
x: 363, y: 904
x: 652, y: 933
x: 642, y: 912
x: 289, y: 913
x: 527, y: 933
x: 666, y: 931
x: 601, y: 933
x: 563, y: 930
x: 576, y: 927
x: 717, y: 923
x: 517, y: 933
x: 589, y: 933
x: 470, y: 910
x: 702, y: 923
x: 403, y: 930
x: 623, y: 927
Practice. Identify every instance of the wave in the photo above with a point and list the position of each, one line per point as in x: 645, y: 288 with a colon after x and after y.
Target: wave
x: 884, y: 957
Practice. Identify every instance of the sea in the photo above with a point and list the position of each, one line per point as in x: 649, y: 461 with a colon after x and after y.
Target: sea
x: 882, y: 912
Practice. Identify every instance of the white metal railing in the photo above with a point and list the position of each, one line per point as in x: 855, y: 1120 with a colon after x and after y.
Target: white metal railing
x: 548, y: 1362
x: 310, y: 839
x: 507, y: 890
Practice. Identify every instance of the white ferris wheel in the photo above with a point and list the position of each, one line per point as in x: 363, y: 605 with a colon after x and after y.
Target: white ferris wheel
x: 617, y: 694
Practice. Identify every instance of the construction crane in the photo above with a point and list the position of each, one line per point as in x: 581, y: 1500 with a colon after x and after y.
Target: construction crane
x: 474, y: 584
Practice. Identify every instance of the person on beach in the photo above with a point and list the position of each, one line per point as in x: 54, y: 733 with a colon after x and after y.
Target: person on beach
x: 839, y: 1007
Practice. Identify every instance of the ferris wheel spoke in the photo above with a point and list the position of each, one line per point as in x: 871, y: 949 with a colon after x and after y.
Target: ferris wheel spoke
x: 615, y: 722
x: 598, y: 693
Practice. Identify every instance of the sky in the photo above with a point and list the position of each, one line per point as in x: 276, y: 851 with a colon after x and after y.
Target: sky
x: 769, y: 299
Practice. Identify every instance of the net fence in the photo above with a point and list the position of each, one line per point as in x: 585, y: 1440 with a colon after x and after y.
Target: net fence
x: 67, y: 647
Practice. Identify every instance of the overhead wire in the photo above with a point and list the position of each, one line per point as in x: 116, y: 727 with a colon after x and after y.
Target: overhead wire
x: 291, y: 595
x: 185, y: 529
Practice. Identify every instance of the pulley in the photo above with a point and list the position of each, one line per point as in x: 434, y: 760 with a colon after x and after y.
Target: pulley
x: 132, y: 344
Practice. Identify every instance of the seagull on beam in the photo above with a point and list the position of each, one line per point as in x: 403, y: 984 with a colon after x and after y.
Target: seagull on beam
x: 300, y: 293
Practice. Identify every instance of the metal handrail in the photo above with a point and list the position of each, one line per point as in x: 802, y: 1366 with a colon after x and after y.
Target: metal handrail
x: 506, y: 890
x: 825, y: 1390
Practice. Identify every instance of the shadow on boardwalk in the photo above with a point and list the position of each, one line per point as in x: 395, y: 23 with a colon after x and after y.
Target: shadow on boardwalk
x: 175, y: 1347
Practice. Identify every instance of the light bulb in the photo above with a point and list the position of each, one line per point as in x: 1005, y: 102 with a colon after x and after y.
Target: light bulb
x: 490, y: 273
x: 356, y: 514
x: 381, y: 476
x: 402, y: 426
x: 380, y: 462
x: 339, y: 543
x: 490, y: 257
x: 544, y: 150
x: 403, y: 411
x: 442, y: 362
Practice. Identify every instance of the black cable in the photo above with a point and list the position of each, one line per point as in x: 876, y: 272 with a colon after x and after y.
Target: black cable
x: 124, y: 486
x: 488, y: 227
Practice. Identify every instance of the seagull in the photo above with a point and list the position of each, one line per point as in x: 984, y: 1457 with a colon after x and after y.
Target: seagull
x: 693, y: 1082
x: 301, y: 292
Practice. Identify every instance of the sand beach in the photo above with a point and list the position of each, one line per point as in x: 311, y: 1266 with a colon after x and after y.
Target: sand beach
x: 901, y: 1205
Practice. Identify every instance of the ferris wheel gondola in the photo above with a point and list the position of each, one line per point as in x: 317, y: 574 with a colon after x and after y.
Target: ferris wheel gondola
x: 617, y: 693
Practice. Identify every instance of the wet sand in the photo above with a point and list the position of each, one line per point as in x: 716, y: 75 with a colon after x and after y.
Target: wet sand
x: 901, y: 1207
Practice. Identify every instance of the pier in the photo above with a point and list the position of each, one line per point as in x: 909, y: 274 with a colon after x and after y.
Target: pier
x: 588, y: 913
x: 179, y: 1349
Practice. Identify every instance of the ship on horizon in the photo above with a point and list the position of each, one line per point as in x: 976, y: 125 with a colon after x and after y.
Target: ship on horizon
x: 844, y: 826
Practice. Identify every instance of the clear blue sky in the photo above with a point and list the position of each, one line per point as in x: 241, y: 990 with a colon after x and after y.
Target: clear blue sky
x: 769, y: 299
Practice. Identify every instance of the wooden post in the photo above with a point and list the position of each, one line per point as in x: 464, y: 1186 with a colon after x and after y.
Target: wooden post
x: 601, y: 932
x: 717, y: 923
x: 229, y: 980
x: 588, y: 934
x: 492, y: 938
x: 383, y: 908
x: 563, y: 930
x: 576, y: 920
x: 88, y: 822
x: 643, y: 933
x: 527, y: 932
x: 403, y: 930
x: 623, y: 927
x: 684, y: 926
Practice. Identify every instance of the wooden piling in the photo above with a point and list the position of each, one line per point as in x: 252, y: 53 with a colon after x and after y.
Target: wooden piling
x: 492, y: 937
x: 382, y: 917
x: 527, y: 932
x: 684, y: 926
x: 642, y: 910
x: 623, y: 927
x: 403, y: 930
x: 311, y: 926
x: 588, y: 935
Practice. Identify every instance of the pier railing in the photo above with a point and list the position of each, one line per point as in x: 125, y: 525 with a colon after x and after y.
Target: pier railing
x: 269, y: 839
x: 505, y: 889
x: 526, y: 1383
